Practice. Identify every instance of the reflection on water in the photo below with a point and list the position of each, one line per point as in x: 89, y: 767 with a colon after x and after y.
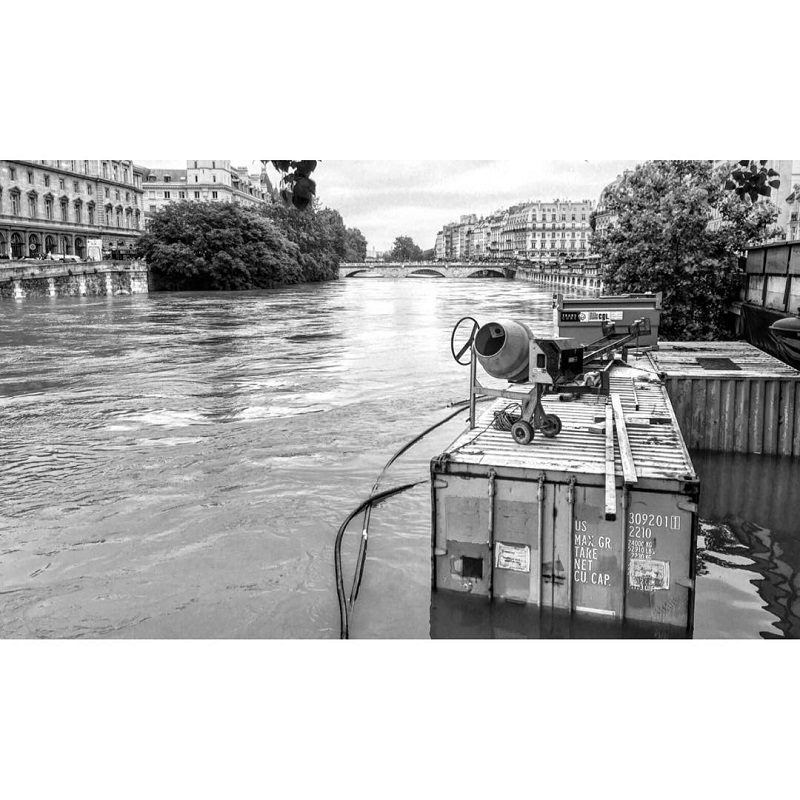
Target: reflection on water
x: 178, y: 464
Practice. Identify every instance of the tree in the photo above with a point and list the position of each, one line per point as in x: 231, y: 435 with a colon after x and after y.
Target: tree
x: 217, y: 246
x: 404, y: 250
x: 429, y: 255
x: 318, y: 234
x: 355, y: 245
x: 679, y: 231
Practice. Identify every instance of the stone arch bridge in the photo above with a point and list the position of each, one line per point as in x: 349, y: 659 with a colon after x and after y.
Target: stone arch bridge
x: 428, y: 269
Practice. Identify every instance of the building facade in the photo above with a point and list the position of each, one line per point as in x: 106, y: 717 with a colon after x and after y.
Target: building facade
x: 203, y: 182
x: 533, y: 231
x: 55, y: 207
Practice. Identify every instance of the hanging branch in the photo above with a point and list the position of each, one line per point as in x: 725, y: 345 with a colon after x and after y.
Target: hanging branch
x: 297, y: 188
x: 752, y: 180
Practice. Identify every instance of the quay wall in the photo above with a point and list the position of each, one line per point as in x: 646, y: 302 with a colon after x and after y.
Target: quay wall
x: 33, y: 279
x: 574, y: 279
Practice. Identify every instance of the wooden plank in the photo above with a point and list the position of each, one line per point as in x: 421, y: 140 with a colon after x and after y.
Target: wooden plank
x: 796, y: 437
x: 685, y: 420
x: 727, y: 415
x: 771, y: 417
x: 711, y: 436
x: 611, y: 477
x: 741, y: 424
x: 625, y: 453
x: 787, y: 418
x: 757, y: 391
x: 697, y: 441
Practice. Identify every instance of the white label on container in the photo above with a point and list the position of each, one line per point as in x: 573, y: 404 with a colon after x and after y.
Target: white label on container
x: 516, y: 557
x: 599, y: 316
x: 648, y: 575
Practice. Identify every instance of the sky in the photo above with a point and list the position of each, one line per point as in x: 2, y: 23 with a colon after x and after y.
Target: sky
x: 386, y: 199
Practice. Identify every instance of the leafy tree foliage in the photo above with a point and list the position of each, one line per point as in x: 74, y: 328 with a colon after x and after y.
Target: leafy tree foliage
x: 355, y: 245
x: 677, y: 230
x: 404, y: 249
x: 223, y: 246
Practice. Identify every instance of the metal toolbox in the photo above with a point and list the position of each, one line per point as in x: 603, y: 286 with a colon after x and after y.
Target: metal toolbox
x: 582, y: 318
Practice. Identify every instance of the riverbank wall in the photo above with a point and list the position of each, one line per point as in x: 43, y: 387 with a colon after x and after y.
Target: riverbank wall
x: 20, y: 280
x: 563, y: 277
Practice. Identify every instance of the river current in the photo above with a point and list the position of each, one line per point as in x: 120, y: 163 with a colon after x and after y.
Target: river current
x: 177, y: 465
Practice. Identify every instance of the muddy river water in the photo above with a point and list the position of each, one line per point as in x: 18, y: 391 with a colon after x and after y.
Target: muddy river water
x: 177, y: 465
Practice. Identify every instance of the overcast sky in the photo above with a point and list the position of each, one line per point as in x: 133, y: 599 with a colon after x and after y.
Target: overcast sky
x: 386, y: 199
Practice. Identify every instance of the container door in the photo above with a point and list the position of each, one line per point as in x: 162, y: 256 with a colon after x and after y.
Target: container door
x: 462, y: 552
x: 597, y: 574
x: 517, y: 554
x: 660, y: 568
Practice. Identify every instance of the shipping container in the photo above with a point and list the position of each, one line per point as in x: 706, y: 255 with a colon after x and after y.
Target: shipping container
x: 731, y: 397
x: 582, y: 318
x: 599, y: 521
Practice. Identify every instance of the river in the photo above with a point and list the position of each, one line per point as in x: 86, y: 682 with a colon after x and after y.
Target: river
x: 177, y: 465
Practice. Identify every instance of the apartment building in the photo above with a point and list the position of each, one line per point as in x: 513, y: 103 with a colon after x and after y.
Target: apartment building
x: 55, y: 206
x: 203, y: 181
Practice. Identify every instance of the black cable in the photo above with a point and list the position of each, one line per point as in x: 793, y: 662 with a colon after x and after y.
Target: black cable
x: 346, y: 605
x: 373, y: 499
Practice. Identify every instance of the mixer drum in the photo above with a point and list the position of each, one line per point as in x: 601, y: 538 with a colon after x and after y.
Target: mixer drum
x: 503, y: 349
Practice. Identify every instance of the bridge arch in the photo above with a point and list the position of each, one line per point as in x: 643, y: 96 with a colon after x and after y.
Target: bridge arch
x: 487, y: 273
x: 434, y: 273
x: 362, y: 271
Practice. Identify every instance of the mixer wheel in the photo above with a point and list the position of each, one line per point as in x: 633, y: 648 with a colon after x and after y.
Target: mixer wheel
x: 522, y: 432
x: 551, y: 425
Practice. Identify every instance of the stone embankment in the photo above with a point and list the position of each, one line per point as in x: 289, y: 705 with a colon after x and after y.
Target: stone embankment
x: 32, y: 279
x: 581, y: 277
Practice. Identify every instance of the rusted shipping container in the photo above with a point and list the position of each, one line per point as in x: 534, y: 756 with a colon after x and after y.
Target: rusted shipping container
x: 599, y: 521
x: 730, y: 396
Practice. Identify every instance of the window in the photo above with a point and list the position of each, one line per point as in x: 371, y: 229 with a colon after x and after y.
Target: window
x: 105, y: 171
x: 85, y: 167
x: 167, y: 179
x: 195, y: 178
x: 30, y: 176
x: 125, y: 175
x: 214, y: 177
x: 214, y: 195
x: 214, y: 165
x: 107, y: 193
x: 75, y: 186
x: 64, y: 212
x: 78, y: 211
x: 151, y: 209
x: 32, y: 204
x: 48, y: 208
x: 116, y: 194
x: 166, y: 195
x: 46, y: 180
x: 116, y: 173
x: 13, y: 173
x: 89, y: 189
x: 108, y: 215
x: 197, y: 195
x: 119, y: 217
x: 127, y: 197
x: 152, y: 195
x: 90, y: 209
x: 61, y: 184
x: 181, y: 195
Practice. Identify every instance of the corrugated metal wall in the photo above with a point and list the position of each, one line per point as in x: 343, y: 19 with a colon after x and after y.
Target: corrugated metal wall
x: 738, y: 416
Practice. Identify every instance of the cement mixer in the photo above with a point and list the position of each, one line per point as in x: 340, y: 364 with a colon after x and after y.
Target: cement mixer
x: 507, y: 349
